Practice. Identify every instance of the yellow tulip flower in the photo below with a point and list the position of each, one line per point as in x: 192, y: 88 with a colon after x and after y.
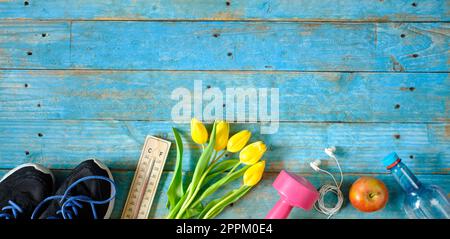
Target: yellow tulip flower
x: 222, y: 134
x: 254, y: 174
x: 252, y: 153
x: 198, y: 131
x: 238, y: 141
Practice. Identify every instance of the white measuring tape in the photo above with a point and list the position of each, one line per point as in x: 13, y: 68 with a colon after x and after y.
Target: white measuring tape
x: 146, y: 178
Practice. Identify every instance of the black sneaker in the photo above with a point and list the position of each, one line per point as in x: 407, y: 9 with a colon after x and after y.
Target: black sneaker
x: 87, y: 193
x: 22, y: 189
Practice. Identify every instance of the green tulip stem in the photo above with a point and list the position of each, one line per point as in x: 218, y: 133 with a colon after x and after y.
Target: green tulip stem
x: 217, y: 185
x: 234, y: 168
x: 226, y: 201
x: 200, y: 168
x: 174, y: 210
x: 214, y: 157
x: 218, y: 157
x: 196, y: 189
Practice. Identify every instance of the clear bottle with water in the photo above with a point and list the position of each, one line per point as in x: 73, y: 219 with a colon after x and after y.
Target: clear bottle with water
x: 421, y: 201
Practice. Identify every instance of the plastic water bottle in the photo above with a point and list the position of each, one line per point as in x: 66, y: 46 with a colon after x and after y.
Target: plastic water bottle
x: 421, y: 201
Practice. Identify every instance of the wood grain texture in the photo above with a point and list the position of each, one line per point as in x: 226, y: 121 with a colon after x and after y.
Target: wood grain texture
x: 131, y: 95
x: 285, y: 10
x: 82, y: 79
x: 259, y: 201
x: 260, y: 46
x: 23, y: 44
x: 283, y: 46
x: 63, y: 144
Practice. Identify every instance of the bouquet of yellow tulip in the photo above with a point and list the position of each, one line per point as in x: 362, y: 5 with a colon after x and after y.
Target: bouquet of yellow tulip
x: 211, y: 173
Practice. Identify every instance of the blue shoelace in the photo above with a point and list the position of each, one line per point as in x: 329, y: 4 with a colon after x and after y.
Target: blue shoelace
x: 71, y: 204
x: 14, y: 211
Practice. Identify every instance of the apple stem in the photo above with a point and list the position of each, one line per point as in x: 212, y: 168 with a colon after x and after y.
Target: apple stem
x: 372, y: 195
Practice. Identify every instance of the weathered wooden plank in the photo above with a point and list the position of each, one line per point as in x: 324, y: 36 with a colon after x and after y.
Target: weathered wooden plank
x: 258, y: 202
x: 260, y: 46
x: 234, y: 46
x: 299, y: 10
x: 34, y: 44
x: 146, y: 95
x: 63, y: 144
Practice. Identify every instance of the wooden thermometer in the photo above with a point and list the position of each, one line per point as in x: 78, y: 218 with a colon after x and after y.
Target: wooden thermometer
x: 146, y: 178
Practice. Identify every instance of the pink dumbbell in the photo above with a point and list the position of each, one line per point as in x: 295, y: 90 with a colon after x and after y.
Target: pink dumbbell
x: 295, y: 191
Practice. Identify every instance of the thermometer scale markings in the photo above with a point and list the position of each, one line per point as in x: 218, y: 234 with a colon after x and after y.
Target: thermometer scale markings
x: 146, y: 178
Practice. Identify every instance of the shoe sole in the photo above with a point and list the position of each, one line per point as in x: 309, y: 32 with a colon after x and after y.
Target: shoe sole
x: 111, y: 203
x: 38, y: 167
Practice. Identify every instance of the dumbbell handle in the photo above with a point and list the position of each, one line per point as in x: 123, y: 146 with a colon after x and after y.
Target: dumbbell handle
x: 281, y: 210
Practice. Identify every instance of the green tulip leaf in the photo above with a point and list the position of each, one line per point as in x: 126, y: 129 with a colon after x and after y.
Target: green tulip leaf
x: 227, y: 179
x: 220, y: 168
x: 193, y: 212
x: 176, y: 189
x: 224, y: 165
x: 237, y: 174
x: 212, y: 204
x: 204, y: 159
x: 226, y: 201
x: 173, y: 211
x: 200, y: 168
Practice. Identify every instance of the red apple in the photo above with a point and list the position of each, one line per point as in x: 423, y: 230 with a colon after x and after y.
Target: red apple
x: 368, y: 194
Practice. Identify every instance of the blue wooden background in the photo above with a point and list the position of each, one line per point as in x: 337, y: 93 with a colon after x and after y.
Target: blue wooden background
x: 83, y: 79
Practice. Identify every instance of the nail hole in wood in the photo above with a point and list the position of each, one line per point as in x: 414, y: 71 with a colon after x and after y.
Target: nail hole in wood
x: 29, y: 53
x: 44, y: 34
x: 231, y: 204
x: 412, y: 88
x: 411, y: 156
x: 229, y: 54
x: 224, y: 105
x: 415, y: 55
x: 397, y: 106
x: 402, y: 35
x: 396, y: 136
x: 208, y: 87
x: 414, y: 4
x: 38, y: 105
x: 26, y: 3
x: 26, y: 85
x: 228, y: 3
x: 27, y: 153
x: 216, y: 35
x: 40, y: 134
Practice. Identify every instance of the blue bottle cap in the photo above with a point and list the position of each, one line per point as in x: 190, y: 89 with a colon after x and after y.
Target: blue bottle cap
x: 390, y: 159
